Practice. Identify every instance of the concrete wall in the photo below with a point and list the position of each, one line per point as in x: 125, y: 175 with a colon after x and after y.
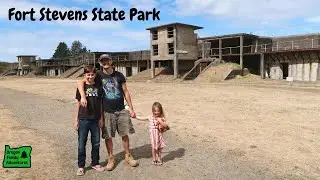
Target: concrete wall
x: 25, y: 60
x: 24, y: 64
x: 302, y: 67
x: 187, y: 41
x: 162, y: 43
x: 185, y: 65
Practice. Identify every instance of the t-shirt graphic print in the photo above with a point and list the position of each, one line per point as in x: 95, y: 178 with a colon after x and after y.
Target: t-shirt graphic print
x: 113, y: 95
x: 94, y: 98
x: 111, y: 88
x: 92, y: 92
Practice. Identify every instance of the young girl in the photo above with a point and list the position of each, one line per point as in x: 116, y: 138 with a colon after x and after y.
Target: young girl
x: 157, y: 125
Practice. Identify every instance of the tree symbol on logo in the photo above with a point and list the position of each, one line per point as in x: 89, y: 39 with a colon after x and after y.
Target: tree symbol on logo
x: 23, y: 155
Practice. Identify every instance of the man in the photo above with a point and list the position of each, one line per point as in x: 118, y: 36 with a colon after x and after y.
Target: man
x: 116, y: 117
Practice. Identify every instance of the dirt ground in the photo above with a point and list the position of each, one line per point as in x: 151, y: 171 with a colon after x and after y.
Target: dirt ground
x: 273, y: 125
x: 43, y: 160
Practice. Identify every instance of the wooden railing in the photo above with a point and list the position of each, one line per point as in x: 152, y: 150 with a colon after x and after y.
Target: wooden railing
x: 41, y: 63
x: 271, y: 47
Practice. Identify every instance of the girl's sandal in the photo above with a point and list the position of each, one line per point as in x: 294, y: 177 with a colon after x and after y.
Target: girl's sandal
x: 159, y: 162
x: 80, y: 172
x: 154, y: 162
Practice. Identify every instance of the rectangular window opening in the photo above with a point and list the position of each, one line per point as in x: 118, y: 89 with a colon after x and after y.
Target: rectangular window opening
x: 170, y: 32
x: 155, y: 50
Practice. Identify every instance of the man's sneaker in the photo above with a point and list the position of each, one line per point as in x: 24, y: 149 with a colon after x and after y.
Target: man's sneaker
x: 111, y: 162
x: 130, y: 160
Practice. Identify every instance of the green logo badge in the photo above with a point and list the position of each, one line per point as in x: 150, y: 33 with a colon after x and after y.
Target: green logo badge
x: 17, y: 157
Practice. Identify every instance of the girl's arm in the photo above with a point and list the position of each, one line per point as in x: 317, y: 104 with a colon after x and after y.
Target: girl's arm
x: 142, y: 118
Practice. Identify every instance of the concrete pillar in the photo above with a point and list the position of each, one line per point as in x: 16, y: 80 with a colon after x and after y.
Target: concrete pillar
x: 152, y: 69
x: 151, y: 59
x: 299, y: 69
x: 306, y: 75
x: 318, y: 73
x: 220, y: 49
x: 262, y: 66
x: 202, y: 48
x: 134, y: 71
x: 256, y: 47
x: 175, y: 59
x: 241, y: 52
x: 314, y: 70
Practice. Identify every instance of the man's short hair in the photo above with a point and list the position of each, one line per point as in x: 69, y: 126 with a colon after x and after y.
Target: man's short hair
x: 89, y: 69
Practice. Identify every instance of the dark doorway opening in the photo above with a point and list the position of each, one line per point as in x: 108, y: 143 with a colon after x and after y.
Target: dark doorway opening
x: 252, y: 63
x: 142, y: 69
x: 128, y: 71
x: 56, y: 72
x: 285, y: 70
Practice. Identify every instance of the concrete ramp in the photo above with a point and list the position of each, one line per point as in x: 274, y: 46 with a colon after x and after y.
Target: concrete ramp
x: 199, y: 66
x: 70, y: 71
x: 221, y: 72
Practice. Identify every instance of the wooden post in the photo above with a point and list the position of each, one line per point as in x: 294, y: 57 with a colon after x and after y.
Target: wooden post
x: 241, y: 52
x: 175, y: 60
x: 220, y: 49
x: 262, y: 65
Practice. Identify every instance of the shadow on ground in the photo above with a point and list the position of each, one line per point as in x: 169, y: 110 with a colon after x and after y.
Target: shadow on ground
x: 144, y: 152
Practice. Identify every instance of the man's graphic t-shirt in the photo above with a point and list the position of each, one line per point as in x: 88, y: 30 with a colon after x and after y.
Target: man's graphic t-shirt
x: 94, y: 102
x: 113, y: 95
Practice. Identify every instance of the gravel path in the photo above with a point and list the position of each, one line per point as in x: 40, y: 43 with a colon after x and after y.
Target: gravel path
x: 183, y: 159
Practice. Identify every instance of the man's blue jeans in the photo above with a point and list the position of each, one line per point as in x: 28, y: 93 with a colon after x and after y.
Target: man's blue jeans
x: 84, y: 127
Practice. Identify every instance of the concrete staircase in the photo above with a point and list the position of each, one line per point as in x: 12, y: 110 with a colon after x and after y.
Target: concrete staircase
x: 71, y: 71
x: 7, y: 72
x: 77, y: 74
x: 199, y: 66
x: 219, y: 72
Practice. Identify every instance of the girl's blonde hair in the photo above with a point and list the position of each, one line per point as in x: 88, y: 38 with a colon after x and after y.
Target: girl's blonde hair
x: 159, y: 106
